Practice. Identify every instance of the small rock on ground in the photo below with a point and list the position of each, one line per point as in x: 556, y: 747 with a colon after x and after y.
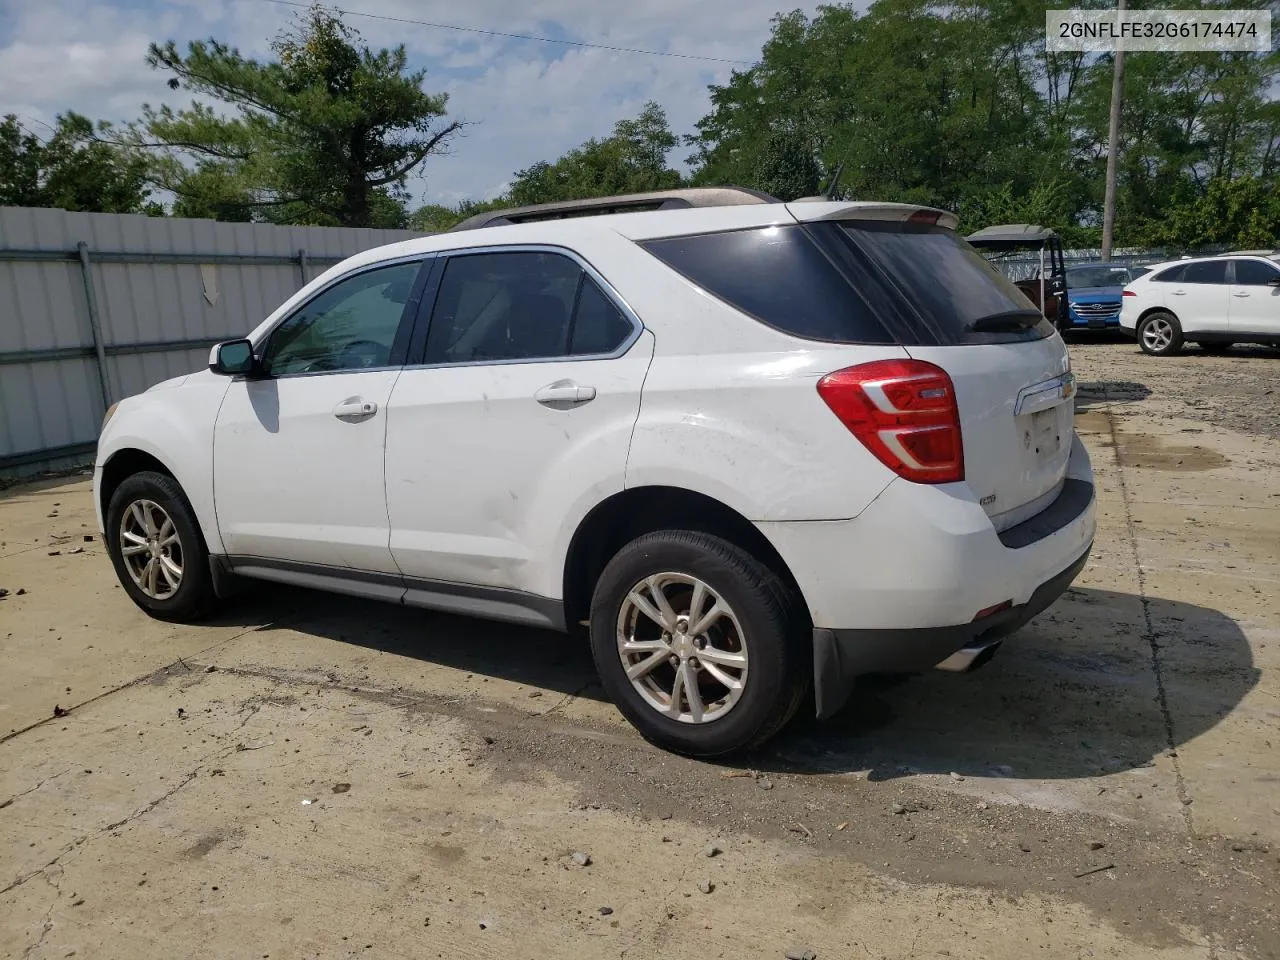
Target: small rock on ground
x: 581, y: 859
x: 706, y: 886
x: 802, y: 953
x: 605, y: 911
x: 710, y: 850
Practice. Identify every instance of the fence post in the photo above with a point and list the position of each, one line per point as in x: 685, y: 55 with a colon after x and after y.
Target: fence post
x: 95, y: 328
x: 302, y: 264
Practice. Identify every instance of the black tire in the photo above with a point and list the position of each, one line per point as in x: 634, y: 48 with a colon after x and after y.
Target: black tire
x: 1215, y: 346
x: 775, y: 637
x: 194, y: 598
x: 1160, y: 346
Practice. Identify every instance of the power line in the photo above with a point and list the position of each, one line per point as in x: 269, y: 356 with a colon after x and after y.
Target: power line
x: 515, y: 36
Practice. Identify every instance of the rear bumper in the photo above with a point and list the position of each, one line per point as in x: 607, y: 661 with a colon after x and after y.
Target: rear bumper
x: 898, y: 587
x: 841, y: 656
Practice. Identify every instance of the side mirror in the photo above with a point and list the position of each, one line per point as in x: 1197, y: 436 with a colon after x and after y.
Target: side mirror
x: 232, y: 358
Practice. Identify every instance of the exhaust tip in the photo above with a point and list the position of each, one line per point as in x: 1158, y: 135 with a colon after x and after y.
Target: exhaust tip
x: 970, y: 658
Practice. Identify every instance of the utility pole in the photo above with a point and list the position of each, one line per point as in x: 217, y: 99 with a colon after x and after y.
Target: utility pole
x: 1113, y: 142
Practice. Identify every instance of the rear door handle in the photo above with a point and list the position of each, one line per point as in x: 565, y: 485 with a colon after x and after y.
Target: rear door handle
x: 564, y: 394
x: 1240, y: 294
x: 355, y: 410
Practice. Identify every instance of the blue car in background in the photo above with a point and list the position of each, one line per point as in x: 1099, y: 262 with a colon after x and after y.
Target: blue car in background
x: 1093, y: 294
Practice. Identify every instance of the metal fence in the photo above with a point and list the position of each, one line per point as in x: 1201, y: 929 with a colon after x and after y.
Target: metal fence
x: 96, y: 306
x: 1024, y: 265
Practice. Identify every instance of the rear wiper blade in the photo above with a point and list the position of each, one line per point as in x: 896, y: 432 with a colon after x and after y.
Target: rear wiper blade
x: 1009, y: 321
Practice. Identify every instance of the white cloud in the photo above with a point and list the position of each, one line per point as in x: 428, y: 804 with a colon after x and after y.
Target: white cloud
x: 525, y: 100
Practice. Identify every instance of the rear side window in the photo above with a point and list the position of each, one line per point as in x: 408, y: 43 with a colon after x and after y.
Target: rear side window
x: 1206, y: 271
x: 1255, y: 273
x: 779, y: 276
x: 1172, y: 275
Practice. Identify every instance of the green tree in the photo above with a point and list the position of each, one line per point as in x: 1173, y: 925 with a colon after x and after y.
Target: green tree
x: 327, y: 133
x: 631, y: 160
x: 787, y: 167
x: 958, y: 104
x: 71, y: 170
x: 436, y: 218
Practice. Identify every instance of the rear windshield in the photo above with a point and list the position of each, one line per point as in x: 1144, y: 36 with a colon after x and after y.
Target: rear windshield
x: 858, y: 282
x: 952, y: 289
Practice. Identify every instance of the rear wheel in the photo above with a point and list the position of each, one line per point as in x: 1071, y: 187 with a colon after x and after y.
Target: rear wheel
x: 157, y: 549
x: 1215, y: 346
x: 1160, y: 334
x: 700, y: 646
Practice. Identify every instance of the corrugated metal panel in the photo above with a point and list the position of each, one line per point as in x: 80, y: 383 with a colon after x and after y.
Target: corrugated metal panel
x: 50, y: 404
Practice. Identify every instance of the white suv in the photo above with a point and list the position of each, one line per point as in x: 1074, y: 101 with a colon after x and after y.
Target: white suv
x: 1212, y: 301
x: 756, y: 448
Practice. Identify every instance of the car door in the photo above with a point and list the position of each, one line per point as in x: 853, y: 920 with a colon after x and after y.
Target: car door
x: 1201, y: 296
x: 515, y: 419
x: 298, y: 465
x: 1255, y: 298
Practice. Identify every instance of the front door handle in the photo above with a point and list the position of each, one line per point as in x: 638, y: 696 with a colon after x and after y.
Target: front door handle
x: 1240, y: 294
x: 1179, y: 293
x: 355, y: 410
x: 564, y: 394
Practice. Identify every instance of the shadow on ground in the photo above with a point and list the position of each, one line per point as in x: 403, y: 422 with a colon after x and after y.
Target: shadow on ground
x: 1072, y: 695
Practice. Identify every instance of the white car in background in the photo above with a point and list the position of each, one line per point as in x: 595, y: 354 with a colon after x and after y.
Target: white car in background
x: 757, y: 449
x: 1212, y: 301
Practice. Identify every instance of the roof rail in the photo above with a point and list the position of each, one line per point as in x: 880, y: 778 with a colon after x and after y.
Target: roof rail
x: 627, y: 203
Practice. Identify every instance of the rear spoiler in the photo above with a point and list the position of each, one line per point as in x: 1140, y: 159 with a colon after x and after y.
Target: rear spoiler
x: 819, y: 208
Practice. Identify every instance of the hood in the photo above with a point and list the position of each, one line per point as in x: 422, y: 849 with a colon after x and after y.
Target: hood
x: 1095, y: 294
x: 169, y: 384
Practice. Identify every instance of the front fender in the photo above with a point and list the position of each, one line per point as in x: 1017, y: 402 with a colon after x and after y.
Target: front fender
x: 176, y: 428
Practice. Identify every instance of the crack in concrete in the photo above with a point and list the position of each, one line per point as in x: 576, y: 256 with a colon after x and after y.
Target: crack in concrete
x: 140, y: 812
x: 1157, y: 668
x: 41, y: 783
x: 124, y: 686
x: 46, y: 923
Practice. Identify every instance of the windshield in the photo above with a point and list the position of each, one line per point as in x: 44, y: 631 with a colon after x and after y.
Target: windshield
x: 1098, y: 275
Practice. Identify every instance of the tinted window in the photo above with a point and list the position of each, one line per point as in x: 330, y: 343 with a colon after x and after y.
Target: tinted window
x: 598, y: 325
x: 520, y: 306
x: 1172, y: 275
x: 1255, y: 272
x: 1136, y: 272
x: 350, y: 326
x: 780, y: 277
x: 1206, y: 271
x: 954, y: 292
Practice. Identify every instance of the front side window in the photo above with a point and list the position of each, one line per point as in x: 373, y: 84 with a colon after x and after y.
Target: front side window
x: 1255, y: 273
x: 1206, y: 271
x: 350, y: 326
x: 520, y: 305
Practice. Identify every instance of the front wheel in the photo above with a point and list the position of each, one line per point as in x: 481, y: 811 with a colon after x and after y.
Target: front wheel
x: 156, y: 547
x: 1160, y: 334
x: 701, y: 647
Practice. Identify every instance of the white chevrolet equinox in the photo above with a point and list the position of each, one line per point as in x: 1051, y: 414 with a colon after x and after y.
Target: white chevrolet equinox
x: 757, y: 449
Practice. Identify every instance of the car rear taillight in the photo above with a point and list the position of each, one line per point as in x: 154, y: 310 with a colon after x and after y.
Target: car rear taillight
x: 1128, y: 293
x: 904, y: 412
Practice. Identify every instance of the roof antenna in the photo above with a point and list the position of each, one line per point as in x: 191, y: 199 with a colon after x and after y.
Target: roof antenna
x: 830, y: 192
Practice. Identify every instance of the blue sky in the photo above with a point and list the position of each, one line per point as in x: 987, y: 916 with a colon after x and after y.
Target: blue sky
x: 525, y: 100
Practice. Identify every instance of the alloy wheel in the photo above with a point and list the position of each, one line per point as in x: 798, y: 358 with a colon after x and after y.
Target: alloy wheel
x: 682, y: 647
x: 152, y: 549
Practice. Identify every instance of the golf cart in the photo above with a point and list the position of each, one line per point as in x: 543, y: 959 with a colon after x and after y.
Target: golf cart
x: 1030, y: 256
